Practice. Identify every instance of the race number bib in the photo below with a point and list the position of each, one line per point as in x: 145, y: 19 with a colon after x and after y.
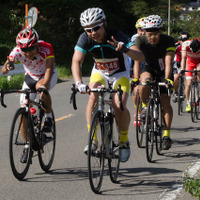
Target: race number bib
x: 107, y: 66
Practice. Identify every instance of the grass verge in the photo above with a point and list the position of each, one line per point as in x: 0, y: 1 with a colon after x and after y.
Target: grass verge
x: 192, y: 186
x: 17, y: 80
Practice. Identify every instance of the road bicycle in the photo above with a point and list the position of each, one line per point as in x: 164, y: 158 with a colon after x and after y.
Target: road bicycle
x: 140, y: 122
x: 104, y: 131
x: 27, y: 131
x: 181, y: 92
x: 154, y: 120
x: 194, y: 94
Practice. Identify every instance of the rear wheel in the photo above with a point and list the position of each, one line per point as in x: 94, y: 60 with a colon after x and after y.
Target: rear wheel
x: 20, y: 125
x: 114, y: 161
x: 180, y: 95
x: 48, y: 140
x: 96, y: 157
x: 197, y: 101
x: 150, y: 131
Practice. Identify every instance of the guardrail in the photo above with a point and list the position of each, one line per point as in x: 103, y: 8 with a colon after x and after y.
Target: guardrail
x: 19, y: 69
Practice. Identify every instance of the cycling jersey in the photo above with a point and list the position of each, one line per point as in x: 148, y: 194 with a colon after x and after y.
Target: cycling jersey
x: 155, y: 55
x: 177, y: 58
x: 36, y: 68
x: 178, y: 52
x: 193, y: 59
x: 107, y: 59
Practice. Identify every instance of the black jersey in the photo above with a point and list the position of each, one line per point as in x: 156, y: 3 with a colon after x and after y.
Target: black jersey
x: 155, y: 55
x: 107, y: 59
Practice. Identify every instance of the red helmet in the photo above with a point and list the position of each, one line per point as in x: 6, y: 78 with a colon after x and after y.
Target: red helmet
x: 27, y: 37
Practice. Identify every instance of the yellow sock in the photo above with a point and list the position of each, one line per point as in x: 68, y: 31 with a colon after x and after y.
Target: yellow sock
x: 166, y: 133
x: 123, y: 136
x: 95, y: 134
x: 144, y: 105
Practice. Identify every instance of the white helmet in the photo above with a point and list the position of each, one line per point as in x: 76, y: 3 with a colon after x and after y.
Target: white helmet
x: 153, y: 21
x: 92, y: 16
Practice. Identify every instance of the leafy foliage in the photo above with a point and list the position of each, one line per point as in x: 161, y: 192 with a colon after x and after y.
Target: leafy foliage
x: 58, y: 21
x: 192, y: 186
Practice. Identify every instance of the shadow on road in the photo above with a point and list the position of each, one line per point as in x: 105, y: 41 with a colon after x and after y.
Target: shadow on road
x: 57, y: 175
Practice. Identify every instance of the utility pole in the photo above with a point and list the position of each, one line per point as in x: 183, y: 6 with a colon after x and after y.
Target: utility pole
x: 168, y: 17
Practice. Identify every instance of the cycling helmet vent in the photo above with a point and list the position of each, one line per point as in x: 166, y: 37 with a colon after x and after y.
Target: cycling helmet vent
x: 92, y: 16
x: 153, y: 22
x: 140, y: 23
x: 27, y: 37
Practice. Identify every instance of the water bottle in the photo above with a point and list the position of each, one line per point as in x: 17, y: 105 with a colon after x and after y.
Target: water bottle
x: 34, y: 116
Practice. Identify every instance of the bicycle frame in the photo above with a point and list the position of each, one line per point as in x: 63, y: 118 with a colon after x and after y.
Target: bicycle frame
x: 28, y: 104
x: 101, y: 127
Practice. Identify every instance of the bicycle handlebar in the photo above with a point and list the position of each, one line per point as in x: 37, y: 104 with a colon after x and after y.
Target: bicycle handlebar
x: 101, y: 90
x: 193, y: 71
x: 25, y: 91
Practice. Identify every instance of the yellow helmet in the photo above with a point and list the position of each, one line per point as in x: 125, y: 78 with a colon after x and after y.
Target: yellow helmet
x: 140, y: 23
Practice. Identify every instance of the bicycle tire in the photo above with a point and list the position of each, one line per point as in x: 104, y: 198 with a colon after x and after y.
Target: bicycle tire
x: 139, y: 129
x: 180, y: 95
x: 192, y: 103
x: 17, y: 143
x: 96, y: 158
x: 47, y: 152
x: 114, y: 161
x: 197, y: 101
x: 150, y: 131
x: 159, y: 133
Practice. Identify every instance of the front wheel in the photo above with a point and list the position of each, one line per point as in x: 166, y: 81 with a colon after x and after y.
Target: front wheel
x: 20, y: 137
x: 139, y: 123
x: 114, y: 161
x: 96, y: 153
x: 193, y: 103
x: 48, y: 145
x: 150, y: 131
x: 159, y: 133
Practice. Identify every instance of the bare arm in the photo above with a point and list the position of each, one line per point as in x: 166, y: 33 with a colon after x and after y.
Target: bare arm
x: 77, y: 61
x: 133, y: 52
x: 168, y: 64
x: 183, y: 59
x: 49, y: 72
x: 136, y: 69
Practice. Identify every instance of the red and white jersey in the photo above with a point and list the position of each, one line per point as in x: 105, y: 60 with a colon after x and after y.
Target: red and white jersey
x: 193, y: 57
x: 36, y: 68
x: 178, y: 52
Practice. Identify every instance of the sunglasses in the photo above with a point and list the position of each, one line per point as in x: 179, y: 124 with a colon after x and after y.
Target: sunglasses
x: 28, y: 49
x: 94, y: 28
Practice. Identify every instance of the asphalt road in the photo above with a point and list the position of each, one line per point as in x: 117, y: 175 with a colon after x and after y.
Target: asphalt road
x: 138, y: 179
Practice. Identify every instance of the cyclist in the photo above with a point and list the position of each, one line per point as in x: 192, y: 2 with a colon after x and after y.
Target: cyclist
x: 191, y: 53
x: 140, y: 31
x: 37, y: 58
x: 159, y: 51
x: 110, y: 49
x: 182, y: 36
